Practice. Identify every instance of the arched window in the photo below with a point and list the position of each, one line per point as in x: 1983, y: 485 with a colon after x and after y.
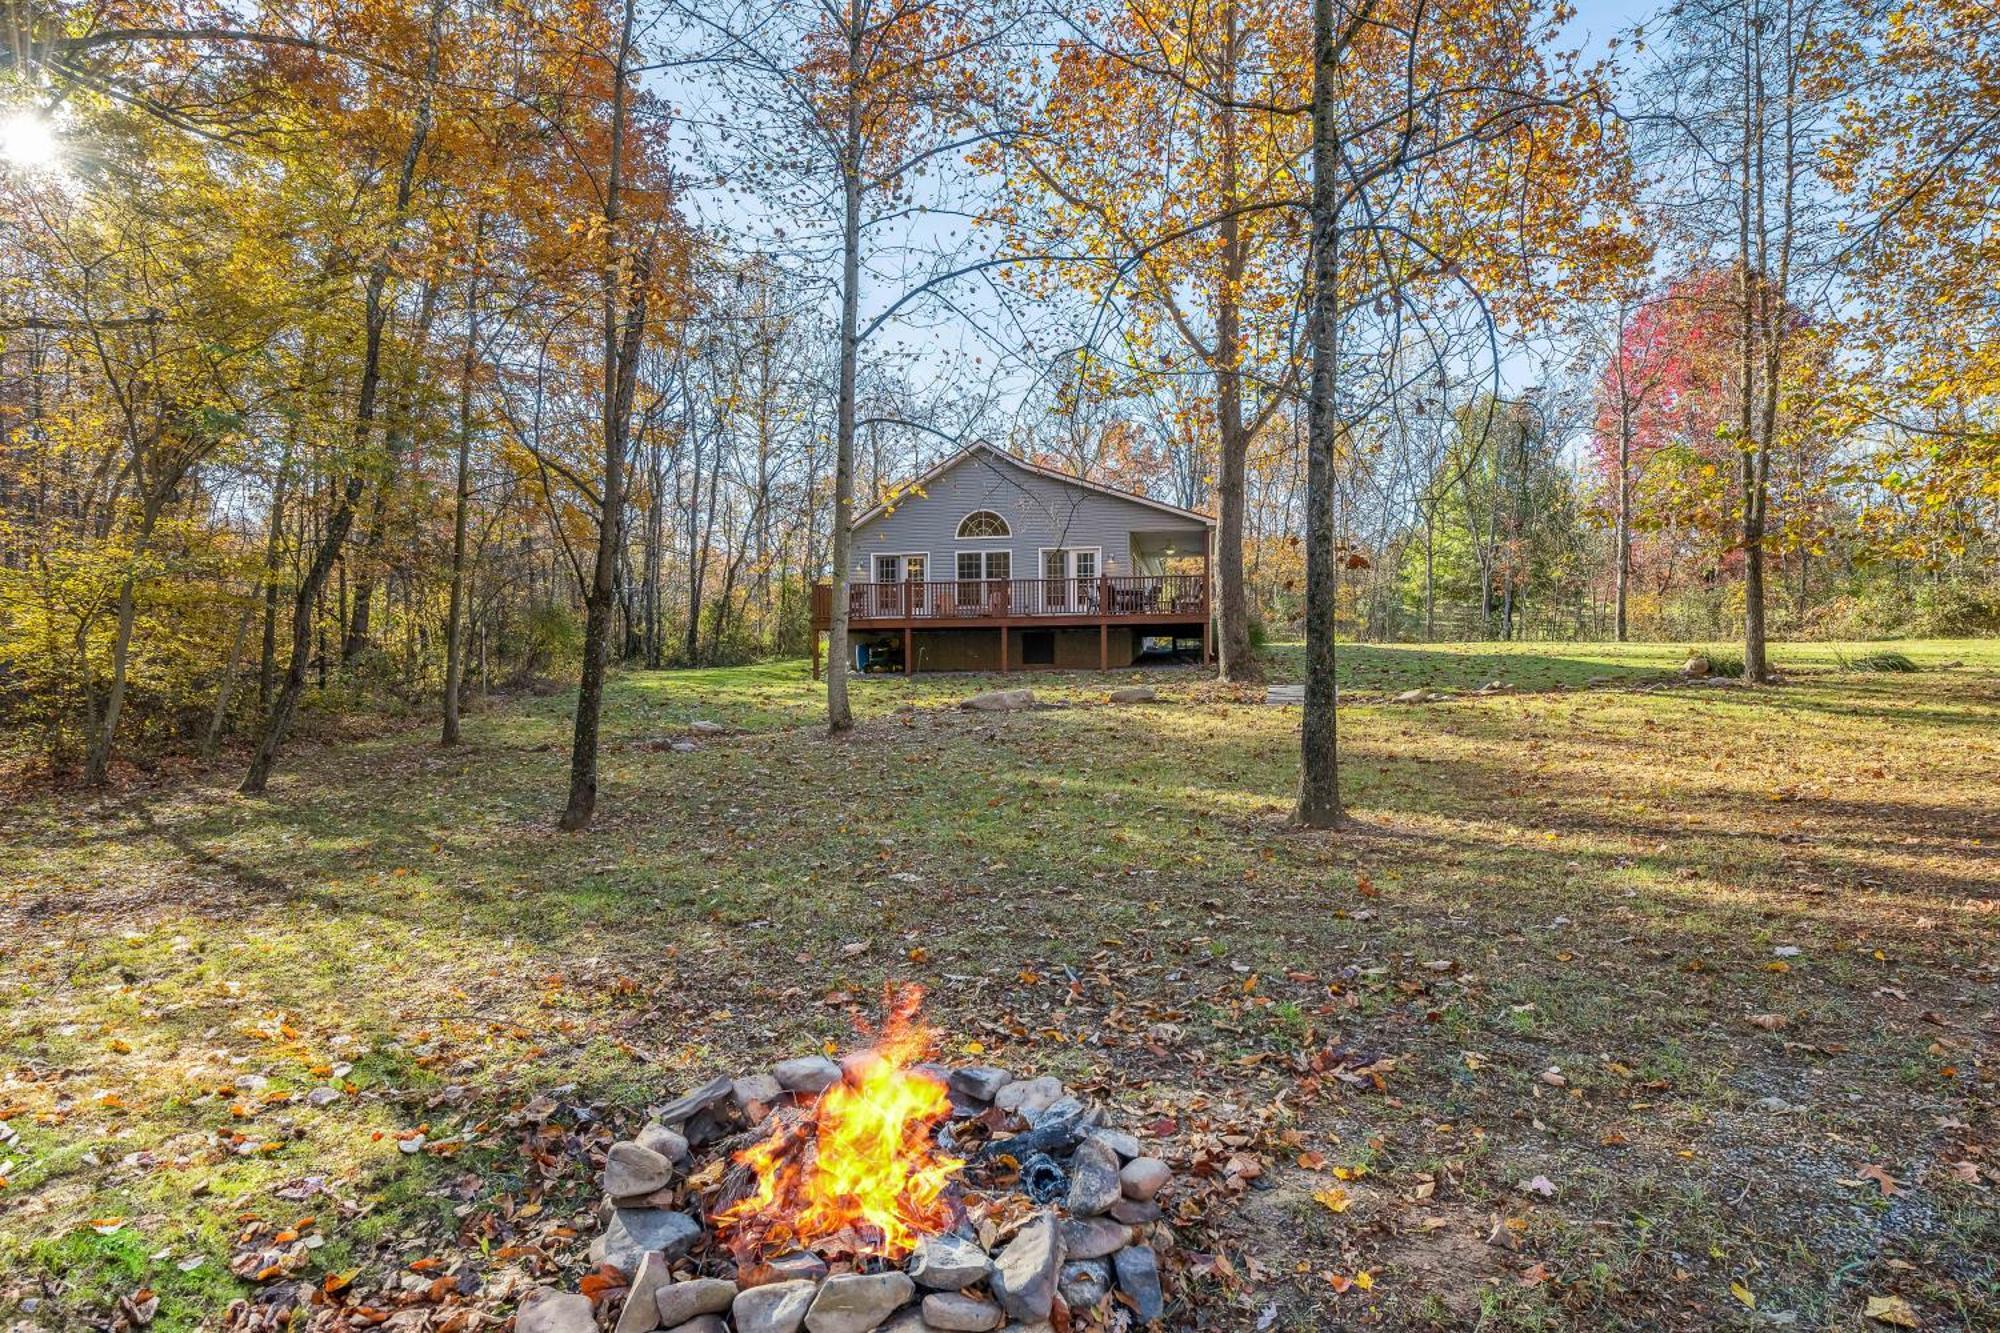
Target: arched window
x: 983, y: 523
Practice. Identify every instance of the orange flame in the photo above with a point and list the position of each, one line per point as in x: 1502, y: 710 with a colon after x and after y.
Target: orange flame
x: 863, y: 1164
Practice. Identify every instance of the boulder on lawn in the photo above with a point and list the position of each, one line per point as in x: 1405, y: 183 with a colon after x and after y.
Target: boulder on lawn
x: 999, y: 701
x: 1413, y: 697
x: 1134, y: 694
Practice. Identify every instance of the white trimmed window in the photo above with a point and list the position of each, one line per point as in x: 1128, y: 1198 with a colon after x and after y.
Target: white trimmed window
x: 983, y: 523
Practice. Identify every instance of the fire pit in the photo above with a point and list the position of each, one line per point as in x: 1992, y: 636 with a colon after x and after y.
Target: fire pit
x: 881, y: 1191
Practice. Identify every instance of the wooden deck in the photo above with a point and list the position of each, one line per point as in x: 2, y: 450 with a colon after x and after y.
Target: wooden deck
x: 1132, y: 600
x: 968, y: 603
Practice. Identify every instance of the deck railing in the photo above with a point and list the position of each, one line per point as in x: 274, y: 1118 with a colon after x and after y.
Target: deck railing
x: 946, y: 601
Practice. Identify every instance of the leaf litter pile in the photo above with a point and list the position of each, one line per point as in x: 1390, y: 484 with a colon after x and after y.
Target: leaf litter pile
x: 1662, y: 1011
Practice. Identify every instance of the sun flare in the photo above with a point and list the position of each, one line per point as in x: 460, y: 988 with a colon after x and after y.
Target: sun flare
x: 28, y: 141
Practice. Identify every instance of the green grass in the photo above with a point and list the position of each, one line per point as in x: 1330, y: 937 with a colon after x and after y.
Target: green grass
x: 1586, y: 878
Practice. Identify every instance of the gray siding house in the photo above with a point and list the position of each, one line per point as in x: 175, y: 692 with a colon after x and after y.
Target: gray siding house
x: 991, y: 563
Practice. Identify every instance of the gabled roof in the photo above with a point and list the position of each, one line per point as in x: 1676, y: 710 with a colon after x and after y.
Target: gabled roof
x: 1012, y: 460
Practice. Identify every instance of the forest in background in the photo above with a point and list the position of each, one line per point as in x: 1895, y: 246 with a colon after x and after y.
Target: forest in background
x: 358, y: 354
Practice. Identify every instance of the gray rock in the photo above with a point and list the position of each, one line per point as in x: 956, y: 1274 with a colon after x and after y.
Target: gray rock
x: 979, y: 1083
x: 679, y: 1302
x: 907, y: 1321
x: 968, y: 1314
x: 546, y: 1310
x: 703, y: 727
x: 793, y: 1267
x: 1778, y: 1106
x: 1139, y: 1278
x: 631, y: 1170
x: 1413, y: 696
x: 701, y: 1323
x: 668, y: 1143
x: 634, y: 1231
x: 1125, y: 1145
x: 808, y: 1074
x: 1084, y: 1283
x: 776, y: 1307
x: 1093, y: 1179
x: 1134, y: 694
x: 1024, y: 1097
x: 999, y: 701
x: 946, y: 1263
x: 1064, y: 1107
x: 640, y: 1315
x: 856, y: 1302
x: 1024, y: 1277
x: 1143, y: 1176
x: 755, y: 1093
x: 1094, y: 1237
x: 709, y: 1095
x: 1134, y: 1213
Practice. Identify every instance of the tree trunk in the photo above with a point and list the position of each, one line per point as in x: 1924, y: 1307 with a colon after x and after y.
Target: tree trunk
x: 839, y: 716
x: 279, y: 719
x: 213, y: 740
x: 1319, y: 742
x: 624, y: 301
x: 1235, y: 659
x: 1624, y: 533
x: 454, y: 620
x: 267, y: 663
x: 396, y: 441
x: 104, y: 729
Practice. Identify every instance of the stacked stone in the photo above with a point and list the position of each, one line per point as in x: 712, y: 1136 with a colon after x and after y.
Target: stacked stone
x: 1079, y: 1252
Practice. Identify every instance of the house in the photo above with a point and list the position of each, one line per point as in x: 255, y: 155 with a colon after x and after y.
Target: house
x: 991, y: 563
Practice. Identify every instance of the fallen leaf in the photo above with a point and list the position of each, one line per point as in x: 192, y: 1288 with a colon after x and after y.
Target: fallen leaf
x: 1891, y: 1310
x: 1333, y: 1198
x: 1890, y: 1185
x: 1743, y: 1294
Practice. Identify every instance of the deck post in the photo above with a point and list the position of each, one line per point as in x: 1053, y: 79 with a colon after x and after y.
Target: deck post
x: 815, y: 654
x: 1103, y: 625
x: 1003, y: 647
x: 909, y: 650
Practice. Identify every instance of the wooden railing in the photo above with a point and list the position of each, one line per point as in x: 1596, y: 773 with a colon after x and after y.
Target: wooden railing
x: 943, y: 601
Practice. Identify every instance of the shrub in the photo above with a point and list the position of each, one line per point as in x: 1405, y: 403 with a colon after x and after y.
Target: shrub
x: 1882, y: 661
x: 1721, y: 661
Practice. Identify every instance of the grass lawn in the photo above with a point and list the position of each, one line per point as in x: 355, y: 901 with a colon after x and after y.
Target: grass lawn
x: 1678, y: 1006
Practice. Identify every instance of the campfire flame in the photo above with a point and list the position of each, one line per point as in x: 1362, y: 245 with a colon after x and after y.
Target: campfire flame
x: 861, y: 1171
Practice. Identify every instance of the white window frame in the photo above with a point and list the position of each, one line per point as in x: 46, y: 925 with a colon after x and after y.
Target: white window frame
x: 985, y: 592
x: 888, y: 602
x: 1006, y: 528
x: 902, y: 559
x: 1081, y: 599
